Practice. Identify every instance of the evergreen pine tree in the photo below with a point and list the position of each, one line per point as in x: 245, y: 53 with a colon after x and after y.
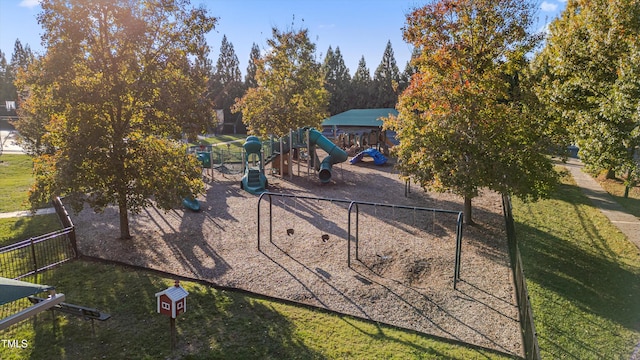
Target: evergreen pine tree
x: 361, y: 87
x: 227, y: 82
x: 337, y: 81
x: 409, y: 70
x: 386, y: 79
x: 250, y: 77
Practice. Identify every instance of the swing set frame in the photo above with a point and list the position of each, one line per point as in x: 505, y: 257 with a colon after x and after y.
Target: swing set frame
x: 353, y: 204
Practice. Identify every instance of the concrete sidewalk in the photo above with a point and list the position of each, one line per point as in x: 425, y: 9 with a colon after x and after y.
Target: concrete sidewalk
x: 27, y: 213
x: 627, y: 223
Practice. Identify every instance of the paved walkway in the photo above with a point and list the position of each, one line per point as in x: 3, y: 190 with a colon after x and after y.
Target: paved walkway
x: 627, y: 223
x: 27, y: 213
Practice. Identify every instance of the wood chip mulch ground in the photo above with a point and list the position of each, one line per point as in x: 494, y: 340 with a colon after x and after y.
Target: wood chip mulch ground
x: 403, y: 275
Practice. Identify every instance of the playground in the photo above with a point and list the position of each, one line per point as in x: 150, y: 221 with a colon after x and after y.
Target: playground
x: 401, y: 272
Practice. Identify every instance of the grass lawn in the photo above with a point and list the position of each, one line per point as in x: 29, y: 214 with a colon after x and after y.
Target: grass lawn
x: 583, y: 277
x: 15, y: 179
x: 13, y: 230
x: 615, y: 187
x: 231, y: 152
x: 217, y: 325
x: 226, y: 138
x: 238, y: 140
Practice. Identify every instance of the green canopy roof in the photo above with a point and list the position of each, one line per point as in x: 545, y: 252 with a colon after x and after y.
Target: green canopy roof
x: 360, y: 117
x: 12, y: 290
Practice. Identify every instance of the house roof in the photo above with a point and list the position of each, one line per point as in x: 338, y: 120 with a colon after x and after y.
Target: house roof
x: 360, y: 117
x: 12, y: 290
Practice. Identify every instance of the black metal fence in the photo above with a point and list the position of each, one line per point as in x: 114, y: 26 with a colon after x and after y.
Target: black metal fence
x: 28, y: 257
x: 529, y: 336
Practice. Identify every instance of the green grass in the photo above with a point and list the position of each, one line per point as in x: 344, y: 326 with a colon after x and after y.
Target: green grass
x: 226, y: 152
x: 226, y: 138
x: 15, y: 179
x: 217, y: 325
x: 583, y: 278
x: 615, y: 187
x: 13, y: 230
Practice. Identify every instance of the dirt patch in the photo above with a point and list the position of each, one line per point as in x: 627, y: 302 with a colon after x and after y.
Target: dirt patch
x: 401, y: 270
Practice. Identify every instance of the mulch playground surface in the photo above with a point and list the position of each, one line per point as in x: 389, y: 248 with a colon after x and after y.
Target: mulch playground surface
x: 403, y: 274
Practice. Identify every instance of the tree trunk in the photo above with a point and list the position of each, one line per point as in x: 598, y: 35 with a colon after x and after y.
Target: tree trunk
x: 124, y: 218
x: 611, y: 174
x: 466, y: 213
x: 627, y: 184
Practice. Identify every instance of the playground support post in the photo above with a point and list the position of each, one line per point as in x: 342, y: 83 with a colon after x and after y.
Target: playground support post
x: 459, y: 223
x: 281, y: 159
x: 290, y: 165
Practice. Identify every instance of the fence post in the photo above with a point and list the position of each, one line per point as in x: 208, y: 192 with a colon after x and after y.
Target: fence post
x: 63, y: 215
x: 33, y: 256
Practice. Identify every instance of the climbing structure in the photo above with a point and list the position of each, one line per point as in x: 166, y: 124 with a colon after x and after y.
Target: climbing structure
x: 254, y: 179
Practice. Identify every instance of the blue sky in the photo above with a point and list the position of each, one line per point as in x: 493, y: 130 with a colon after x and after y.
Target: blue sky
x: 358, y: 27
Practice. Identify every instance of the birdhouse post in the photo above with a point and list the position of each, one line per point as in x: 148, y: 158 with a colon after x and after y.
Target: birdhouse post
x: 172, y: 302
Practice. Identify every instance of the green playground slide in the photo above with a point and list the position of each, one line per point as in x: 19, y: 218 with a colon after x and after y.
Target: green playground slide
x: 254, y: 180
x: 336, y: 154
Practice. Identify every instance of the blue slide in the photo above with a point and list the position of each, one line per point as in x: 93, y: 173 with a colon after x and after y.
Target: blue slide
x: 378, y: 158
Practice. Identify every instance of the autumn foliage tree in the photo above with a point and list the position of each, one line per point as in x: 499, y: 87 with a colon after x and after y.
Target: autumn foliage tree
x: 467, y: 120
x: 590, y: 75
x: 290, y: 89
x: 116, y: 83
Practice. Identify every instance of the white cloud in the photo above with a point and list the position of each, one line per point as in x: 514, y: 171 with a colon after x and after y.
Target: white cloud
x: 29, y: 3
x: 548, y: 7
x: 562, y: 1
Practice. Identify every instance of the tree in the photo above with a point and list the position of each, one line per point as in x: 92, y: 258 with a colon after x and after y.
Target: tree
x: 20, y: 59
x: 290, y: 89
x: 7, y: 88
x: 409, y: 70
x: 468, y: 120
x: 361, y: 86
x: 386, y: 79
x: 116, y: 79
x: 337, y: 81
x: 226, y: 84
x: 591, y: 76
x: 22, y: 56
x: 252, y: 67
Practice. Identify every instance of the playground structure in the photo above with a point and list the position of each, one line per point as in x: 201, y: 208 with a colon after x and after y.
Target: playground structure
x: 358, y: 129
x: 254, y: 180
x: 378, y: 158
x: 357, y: 140
x: 301, y: 144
